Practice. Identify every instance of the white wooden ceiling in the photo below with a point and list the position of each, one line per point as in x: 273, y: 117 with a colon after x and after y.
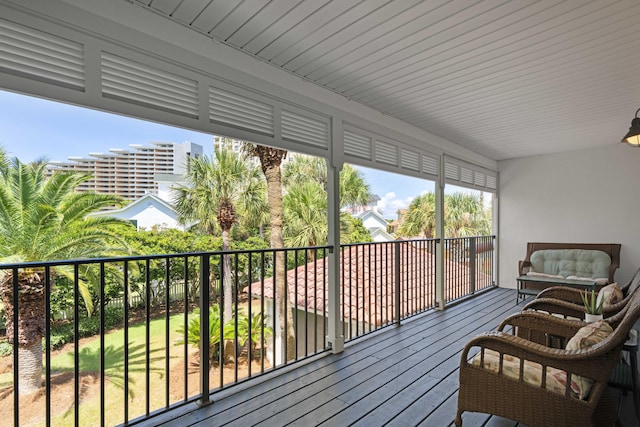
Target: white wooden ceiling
x: 504, y: 78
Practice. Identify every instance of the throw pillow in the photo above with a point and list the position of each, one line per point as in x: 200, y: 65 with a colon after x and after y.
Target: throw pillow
x: 589, y: 335
x: 610, y: 295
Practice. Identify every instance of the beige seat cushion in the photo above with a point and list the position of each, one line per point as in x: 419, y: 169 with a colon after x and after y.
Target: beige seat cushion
x: 532, y: 373
x: 556, y: 379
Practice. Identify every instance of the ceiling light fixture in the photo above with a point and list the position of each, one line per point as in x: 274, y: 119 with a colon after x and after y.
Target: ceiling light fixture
x: 633, y: 136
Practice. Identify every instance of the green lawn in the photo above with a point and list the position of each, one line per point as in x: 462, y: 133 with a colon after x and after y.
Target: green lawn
x: 114, y: 346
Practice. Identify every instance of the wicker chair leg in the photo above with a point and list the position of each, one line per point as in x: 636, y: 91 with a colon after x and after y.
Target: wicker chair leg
x: 458, y: 420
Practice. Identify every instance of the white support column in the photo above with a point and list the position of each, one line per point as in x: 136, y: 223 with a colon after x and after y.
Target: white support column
x: 335, y: 336
x: 440, y: 276
x: 495, y: 226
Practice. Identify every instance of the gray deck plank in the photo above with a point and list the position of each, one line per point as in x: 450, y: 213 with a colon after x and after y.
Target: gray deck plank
x: 310, y: 382
x: 400, y: 376
x: 443, y: 359
x: 397, y: 362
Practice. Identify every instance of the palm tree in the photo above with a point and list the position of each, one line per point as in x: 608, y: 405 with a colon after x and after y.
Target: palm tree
x: 218, y: 190
x: 271, y: 161
x: 354, y: 190
x: 306, y: 215
x: 44, y: 219
x: 420, y: 219
x: 465, y: 216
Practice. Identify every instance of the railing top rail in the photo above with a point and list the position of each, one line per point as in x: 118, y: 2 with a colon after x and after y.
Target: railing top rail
x: 469, y: 237
x: 82, y: 261
x: 345, y: 245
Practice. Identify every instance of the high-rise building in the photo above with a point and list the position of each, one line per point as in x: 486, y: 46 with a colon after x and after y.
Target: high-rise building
x: 131, y: 173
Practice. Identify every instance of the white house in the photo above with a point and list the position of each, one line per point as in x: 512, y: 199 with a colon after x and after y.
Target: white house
x: 147, y: 212
x: 377, y: 225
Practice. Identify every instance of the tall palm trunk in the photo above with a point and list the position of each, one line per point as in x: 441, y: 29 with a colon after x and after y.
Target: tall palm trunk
x: 226, y: 278
x: 271, y: 159
x: 30, y: 328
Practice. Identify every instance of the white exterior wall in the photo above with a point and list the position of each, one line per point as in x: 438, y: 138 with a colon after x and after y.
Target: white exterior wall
x: 373, y: 222
x: 579, y: 196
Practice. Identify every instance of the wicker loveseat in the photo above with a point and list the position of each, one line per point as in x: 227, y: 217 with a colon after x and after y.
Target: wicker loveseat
x: 549, y: 264
x: 494, y: 392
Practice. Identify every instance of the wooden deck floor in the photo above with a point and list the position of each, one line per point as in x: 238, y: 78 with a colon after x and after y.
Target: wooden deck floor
x: 401, y: 376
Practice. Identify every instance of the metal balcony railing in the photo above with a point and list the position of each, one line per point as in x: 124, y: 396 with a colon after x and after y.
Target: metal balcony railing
x: 140, y: 352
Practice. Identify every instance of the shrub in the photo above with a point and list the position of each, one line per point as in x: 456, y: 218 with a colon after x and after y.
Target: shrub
x: 6, y: 349
x: 193, y: 332
x: 62, y: 333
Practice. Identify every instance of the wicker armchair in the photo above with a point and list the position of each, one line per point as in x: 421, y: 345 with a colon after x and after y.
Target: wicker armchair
x: 568, y: 302
x: 493, y: 392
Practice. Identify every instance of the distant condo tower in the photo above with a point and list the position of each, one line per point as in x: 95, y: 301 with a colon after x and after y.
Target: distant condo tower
x: 131, y: 173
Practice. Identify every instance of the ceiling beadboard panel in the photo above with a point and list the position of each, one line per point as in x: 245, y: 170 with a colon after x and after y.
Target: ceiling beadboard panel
x: 142, y: 84
x: 34, y: 54
x: 483, y: 74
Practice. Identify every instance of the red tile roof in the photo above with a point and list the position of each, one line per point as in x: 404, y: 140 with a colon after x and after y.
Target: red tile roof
x: 367, y: 273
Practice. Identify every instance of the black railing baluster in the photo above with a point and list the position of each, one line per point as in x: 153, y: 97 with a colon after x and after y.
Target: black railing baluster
x: 47, y: 331
x: 324, y: 305
x: 262, y: 311
x: 472, y: 265
x: 276, y: 319
x: 167, y: 372
x: 125, y: 272
x: 76, y: 348
x: 306, y: 305
x: 102, y: 332
x: 315, y: 300
x: 250, y: 314
x: 397, y: 283
x: 235, y: 294
x: 356, y: 286
x: 343, y: 287
x: 204, y: 329
x: 16, y: 365
x: 147, y: 336
x: 285, y: 298
x: 222, y: 307
x: 295, y: 298
x: 185, y: 348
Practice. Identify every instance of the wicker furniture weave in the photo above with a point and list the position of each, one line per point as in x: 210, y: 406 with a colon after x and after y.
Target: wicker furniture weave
x: 484, y: 391
x: 568, y: 302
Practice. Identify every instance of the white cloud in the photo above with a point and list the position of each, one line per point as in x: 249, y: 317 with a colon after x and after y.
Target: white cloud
x: 389, y: 204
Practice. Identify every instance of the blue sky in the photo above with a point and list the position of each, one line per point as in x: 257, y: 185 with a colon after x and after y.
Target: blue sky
x: 32, y: 128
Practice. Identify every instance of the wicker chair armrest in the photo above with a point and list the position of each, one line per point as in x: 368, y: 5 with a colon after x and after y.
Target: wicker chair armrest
x: 593, y: 363
x: 541, y: 322
x: 563, y: 293
x: 556, y: 306
x: 522, y: 265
